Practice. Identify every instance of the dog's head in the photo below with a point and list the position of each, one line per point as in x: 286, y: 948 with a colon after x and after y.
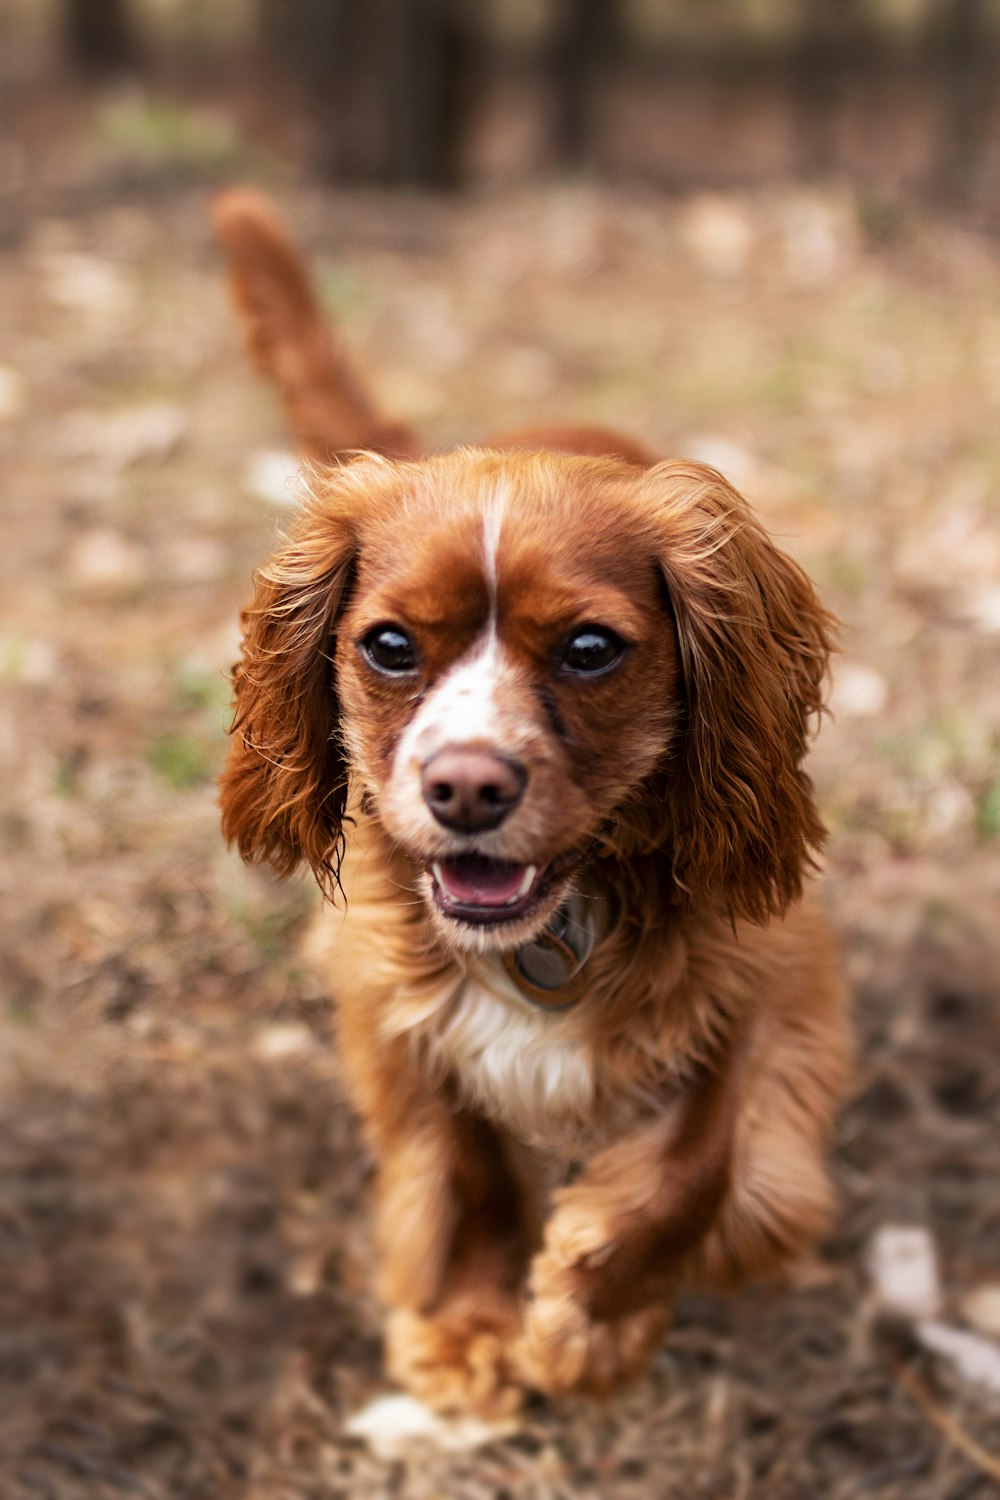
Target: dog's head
x: 522, y: 659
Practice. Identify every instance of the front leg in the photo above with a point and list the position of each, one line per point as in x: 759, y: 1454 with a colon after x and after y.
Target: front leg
x: 454, y: 1318
x: 454, y: 1230
x: 616, y: 1242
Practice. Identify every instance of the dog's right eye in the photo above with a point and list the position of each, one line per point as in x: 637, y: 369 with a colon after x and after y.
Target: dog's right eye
x: 389, y: 649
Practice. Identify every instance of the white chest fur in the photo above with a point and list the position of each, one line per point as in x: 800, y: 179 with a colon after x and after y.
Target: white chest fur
x: 527, y: 1069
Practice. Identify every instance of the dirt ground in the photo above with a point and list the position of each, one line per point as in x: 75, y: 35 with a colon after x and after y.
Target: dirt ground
x: 184, y: 1258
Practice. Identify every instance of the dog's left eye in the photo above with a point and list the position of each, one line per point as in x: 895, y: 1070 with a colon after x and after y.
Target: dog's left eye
x: 389, y: 649
x: 592, y: 649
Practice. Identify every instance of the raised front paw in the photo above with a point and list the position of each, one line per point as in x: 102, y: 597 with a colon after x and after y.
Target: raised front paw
x: 453, y: 1367
x: 566, y: 1345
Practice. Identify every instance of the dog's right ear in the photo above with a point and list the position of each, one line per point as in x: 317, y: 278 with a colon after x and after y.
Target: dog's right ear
x: 284, y: 790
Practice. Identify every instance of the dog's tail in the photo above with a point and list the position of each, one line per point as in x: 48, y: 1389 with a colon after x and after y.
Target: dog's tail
x: 327, y: 405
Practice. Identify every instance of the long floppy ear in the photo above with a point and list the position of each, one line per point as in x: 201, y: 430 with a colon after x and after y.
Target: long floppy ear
x: 755, y: 645
x: 284, y: 790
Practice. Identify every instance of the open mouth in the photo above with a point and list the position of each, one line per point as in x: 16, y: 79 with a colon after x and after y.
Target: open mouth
x: 475, y: 888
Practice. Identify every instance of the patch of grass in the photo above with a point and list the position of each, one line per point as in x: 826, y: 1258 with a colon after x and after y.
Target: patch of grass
x: 780, y: 387
x: 205, y: 692
x: 846, y: 572
x: 183, y: 760
x: 20, y: 1010
x: 774, y: 382
x: 614, y: 391
x: 882, y: 220
x: 12, y: 654
x: 343, y: 289
x: 945, y: 747
x: 866, y: 814
x: 269, y: 926
x: 158, y: 132
x: 66, y: 777
x: 988, y: 813
x: 898, y: 826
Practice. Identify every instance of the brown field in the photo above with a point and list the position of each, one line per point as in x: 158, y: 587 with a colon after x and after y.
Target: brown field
x: 184, y: 1302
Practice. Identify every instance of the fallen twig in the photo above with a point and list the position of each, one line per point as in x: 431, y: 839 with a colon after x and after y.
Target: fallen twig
x: 917, y: 1387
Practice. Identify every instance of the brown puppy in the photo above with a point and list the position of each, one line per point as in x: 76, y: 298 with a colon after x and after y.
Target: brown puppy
x: 540, y: 708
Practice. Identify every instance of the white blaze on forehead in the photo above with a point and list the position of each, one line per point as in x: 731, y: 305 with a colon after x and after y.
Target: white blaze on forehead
x: 492, y: 522
x: 461, y: 708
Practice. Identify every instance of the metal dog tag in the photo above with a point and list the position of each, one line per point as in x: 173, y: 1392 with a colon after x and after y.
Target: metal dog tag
x: 549, y: 969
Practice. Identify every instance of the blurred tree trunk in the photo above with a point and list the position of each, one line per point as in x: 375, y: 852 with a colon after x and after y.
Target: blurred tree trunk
x: 98, y: 35
x: 431, y: 86
x: 964, y: 44
x: 389, y: 84
x: 815, y: 83
x: 311, y: 40
x: 585, y: 42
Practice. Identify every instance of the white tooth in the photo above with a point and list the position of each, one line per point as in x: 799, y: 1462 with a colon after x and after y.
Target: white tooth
x: 527, y: 881
x: 436, y: 872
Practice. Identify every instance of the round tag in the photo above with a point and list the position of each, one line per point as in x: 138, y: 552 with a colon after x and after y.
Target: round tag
x: 549, y: 969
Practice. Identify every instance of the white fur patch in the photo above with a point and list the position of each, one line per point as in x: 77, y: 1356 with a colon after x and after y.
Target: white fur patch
x: 395, y: 1427
x: 460, y: 710
x: 492, y: 522
x: 521, y: 1067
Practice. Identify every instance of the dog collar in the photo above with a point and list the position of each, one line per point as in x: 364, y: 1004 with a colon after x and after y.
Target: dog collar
x: 548, y: 971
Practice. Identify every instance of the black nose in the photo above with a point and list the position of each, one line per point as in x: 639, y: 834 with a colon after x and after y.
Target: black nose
x: 472, y: 790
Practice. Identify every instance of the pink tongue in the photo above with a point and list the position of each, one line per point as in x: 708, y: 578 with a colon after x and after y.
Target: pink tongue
x: 479, y: 881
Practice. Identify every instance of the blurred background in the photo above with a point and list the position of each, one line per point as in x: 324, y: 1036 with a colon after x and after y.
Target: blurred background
x: 763, y: 234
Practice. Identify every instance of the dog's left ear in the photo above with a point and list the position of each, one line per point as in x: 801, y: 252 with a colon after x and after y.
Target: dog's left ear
x: 755, y: 645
